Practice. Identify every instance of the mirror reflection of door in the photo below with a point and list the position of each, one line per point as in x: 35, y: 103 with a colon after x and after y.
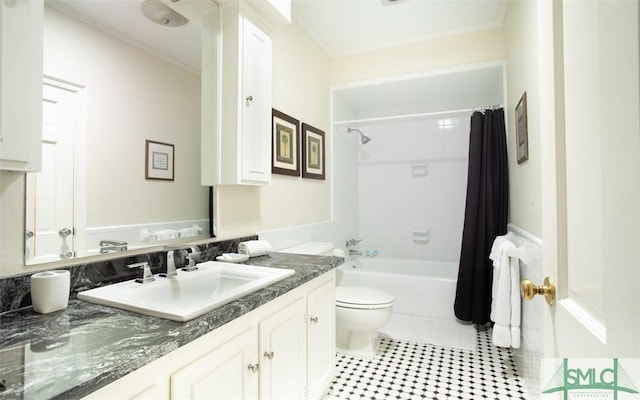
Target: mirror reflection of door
x: 50, y: 194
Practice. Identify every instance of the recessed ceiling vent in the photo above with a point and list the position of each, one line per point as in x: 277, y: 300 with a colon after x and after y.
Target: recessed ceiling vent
x: 162, y: 14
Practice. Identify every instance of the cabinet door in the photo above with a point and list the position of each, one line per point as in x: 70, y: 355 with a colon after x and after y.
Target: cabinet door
x: 227, y: 372
x: 150, y: 382
x: 256, y: 105
x: 283, y: 353
x: 321, y: 339
x: 21, y: 84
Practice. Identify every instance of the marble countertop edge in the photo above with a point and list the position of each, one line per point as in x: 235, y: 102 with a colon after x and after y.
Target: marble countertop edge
x: 125, y: 341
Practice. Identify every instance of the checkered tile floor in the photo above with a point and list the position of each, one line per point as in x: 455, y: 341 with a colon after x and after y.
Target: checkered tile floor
x: 406, y: 370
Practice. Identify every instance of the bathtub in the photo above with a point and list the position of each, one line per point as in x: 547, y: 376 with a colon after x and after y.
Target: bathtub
x: 420, y: 288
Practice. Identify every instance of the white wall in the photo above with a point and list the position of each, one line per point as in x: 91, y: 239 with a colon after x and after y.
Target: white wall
x: 468, y: 48
x: 523, y: 51
x: 521, y: 54
x: 301, y: 90
x: 398, y: 196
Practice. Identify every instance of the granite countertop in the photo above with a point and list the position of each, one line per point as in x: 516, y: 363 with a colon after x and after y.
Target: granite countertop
x: 71, y: 353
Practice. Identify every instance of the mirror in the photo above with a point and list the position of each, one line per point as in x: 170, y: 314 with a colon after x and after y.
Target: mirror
x: 121, y: 134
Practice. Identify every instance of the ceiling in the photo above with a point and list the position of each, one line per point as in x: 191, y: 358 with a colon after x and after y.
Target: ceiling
x: 351, y: 26
x: 340, y: 26
x: 124, y: 20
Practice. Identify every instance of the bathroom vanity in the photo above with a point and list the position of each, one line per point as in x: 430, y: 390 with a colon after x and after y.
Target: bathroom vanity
x: 273, y: 343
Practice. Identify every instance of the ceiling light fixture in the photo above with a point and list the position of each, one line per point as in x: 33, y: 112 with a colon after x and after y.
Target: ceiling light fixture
x: 162, y: 14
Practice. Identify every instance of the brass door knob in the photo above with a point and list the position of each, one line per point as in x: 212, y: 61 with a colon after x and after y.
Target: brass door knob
x: 528, y: 290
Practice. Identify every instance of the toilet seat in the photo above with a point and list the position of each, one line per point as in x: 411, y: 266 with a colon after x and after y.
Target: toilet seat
x: 362, y: 298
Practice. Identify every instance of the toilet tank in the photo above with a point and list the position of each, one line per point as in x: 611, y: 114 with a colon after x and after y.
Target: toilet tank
x: 311, y: 248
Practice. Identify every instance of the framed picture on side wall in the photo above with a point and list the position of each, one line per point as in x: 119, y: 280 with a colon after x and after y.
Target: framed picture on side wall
x: 522, y: 139
x: 312, y: 152
x: 285, y: 144
x: 159, y: 161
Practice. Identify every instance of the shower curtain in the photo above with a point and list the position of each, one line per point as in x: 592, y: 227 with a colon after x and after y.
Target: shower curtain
x: 485, y: 218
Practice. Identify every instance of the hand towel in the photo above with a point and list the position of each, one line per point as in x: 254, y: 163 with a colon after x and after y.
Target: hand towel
x: 254, y: 248
x: 505, y: 304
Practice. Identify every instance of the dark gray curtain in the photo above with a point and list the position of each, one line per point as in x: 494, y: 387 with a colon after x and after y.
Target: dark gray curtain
x: 485, y: 214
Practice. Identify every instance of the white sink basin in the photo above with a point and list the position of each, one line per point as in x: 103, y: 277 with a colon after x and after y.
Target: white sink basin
x: 190, y: 294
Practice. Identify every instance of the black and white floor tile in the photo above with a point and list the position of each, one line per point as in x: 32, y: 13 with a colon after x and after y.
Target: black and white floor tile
x: 407, y: 370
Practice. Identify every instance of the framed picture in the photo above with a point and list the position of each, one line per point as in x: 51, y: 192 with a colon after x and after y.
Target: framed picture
x: 285, y: 144
x: 158, y: 161
x: 312, y: 152
x: 522, y: 140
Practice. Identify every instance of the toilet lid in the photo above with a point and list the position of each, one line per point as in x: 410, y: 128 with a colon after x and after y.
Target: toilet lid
x: 355, y: 296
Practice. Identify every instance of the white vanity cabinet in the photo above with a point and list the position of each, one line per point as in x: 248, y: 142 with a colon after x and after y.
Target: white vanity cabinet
x: 283, y: 349
x: 236, y: 144
x: 21, y: 85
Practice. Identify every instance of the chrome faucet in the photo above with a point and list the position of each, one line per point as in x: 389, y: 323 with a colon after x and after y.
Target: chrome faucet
x: 171, y: 265
x: 147, y: 275
x: 189, y: 261
x: 191, y: 264
x: 110, y: 246
x: 353, y: 252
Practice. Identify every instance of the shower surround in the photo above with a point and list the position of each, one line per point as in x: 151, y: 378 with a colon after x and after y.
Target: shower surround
x: 412, y: 180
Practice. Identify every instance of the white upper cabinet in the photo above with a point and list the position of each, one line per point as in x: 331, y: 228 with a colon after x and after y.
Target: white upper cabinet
x: 21, y: 85
x: 236, y: 120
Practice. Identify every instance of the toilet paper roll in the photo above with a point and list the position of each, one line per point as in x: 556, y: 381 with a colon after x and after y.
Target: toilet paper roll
x: 50, y: 291
x: 338, y: 252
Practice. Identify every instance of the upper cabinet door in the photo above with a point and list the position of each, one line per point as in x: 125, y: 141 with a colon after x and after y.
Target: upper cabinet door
x: 256, y: 105
x: 21, y: 85
x: 236, y: 123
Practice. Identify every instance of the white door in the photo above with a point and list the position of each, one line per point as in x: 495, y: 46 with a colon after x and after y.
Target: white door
x: 51, y: 193
x: 597, y: 262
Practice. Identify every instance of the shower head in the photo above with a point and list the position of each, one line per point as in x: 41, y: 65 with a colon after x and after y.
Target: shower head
x: 364, y: 139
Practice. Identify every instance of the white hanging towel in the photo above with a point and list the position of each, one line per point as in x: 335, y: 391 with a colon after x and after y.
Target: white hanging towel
x: 505, y: 303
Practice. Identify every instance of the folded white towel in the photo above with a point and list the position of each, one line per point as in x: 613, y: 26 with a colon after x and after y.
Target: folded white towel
x: 254, y: 248
x: 166, y: 234
x: 505, y: 304
x: 145, y: 235
x: 187, y: 232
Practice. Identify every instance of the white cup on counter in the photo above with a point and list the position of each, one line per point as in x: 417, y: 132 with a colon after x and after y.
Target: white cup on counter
x: 50, y: 290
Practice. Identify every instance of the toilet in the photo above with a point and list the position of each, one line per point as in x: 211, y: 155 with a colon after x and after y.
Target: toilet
x: 360, y: 311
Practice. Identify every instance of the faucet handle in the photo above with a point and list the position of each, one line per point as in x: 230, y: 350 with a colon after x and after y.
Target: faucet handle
x: 191, y: 264
x: 147, y: 275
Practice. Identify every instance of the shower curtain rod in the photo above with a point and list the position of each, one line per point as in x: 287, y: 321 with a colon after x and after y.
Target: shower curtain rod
x: 420, y: 115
